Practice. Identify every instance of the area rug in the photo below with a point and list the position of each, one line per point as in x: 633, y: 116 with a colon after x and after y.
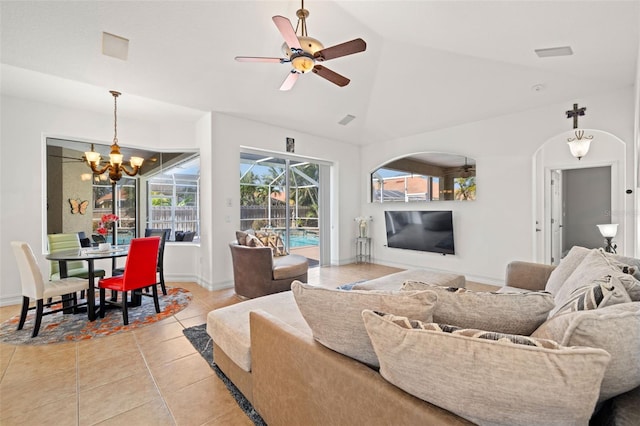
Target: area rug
x: 201, y: 340
x: 59, y: 327
x: 349, y: 286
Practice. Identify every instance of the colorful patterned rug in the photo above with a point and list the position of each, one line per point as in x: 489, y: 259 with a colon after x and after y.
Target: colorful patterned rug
x: 61, y: 327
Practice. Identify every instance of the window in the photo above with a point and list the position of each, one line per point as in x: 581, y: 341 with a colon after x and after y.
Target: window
x: 125, y: 205
x: 174, y: 200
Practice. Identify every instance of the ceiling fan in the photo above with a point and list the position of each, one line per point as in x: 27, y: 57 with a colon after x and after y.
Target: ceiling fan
x: 302, y: 51
x: 467, y: 170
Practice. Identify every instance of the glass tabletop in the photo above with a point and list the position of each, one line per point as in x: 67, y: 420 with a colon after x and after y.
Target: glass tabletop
x: 89, y: 253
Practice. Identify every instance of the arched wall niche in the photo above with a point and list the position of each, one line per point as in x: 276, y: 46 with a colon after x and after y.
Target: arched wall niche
x: 607, y: 150
x: 424, y: 177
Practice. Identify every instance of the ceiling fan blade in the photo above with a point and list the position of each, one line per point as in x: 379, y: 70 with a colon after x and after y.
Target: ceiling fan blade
x: 287, y: 31
x: 332, y: 76
x: 258, y: 59
x: 288, y: 82
x: 344, y: 49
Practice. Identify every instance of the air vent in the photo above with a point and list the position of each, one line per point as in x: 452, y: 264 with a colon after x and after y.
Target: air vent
x: 554, y: 51
x: 347, y: 119
x: 115, y: 46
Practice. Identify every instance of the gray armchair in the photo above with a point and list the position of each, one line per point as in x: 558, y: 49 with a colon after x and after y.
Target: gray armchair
x: 256, y: 272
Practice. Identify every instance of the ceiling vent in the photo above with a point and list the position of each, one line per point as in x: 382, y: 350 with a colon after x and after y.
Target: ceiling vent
x: 115, y: 46
x: 347, y: 119
x: 554, y: 51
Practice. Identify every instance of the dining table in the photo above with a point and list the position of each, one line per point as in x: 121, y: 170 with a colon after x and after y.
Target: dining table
x: 89, y: 255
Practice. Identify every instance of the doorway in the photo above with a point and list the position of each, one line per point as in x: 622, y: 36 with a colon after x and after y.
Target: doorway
x: 282, y: 194
x: 580, y: 199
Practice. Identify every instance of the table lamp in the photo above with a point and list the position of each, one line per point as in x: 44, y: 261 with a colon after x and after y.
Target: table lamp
x: 609, y: 231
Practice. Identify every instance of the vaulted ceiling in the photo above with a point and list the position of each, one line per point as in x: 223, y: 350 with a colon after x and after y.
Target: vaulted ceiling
x: 428, y: 64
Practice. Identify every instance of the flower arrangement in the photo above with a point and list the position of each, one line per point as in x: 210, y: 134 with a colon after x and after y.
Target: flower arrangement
x: 106, y: 219
x: 362, y: 225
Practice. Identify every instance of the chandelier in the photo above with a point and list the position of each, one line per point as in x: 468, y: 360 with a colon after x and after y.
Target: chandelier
x: 578, y: 142
x: 115, y: 166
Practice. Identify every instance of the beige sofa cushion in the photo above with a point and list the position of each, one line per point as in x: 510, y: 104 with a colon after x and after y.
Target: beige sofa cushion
x: 594, y: 266
x: 607, y: 291
x: 513, y: 313
x: 229, y: 326
x: 489, y: 382
x: 394, y: 281
x: 335, y: 316
x: 615, y: 329
x: 565, y: 268
x: 289, y: 266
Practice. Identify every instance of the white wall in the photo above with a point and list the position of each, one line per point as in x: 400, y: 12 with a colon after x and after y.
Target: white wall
x: 500, y: 225
x: 24, y: 126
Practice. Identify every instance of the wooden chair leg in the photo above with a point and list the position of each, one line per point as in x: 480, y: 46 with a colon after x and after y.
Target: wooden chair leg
x: 39, y: 310
x: 156, y: 303
x: 23, y: 312
x: 125, y: 311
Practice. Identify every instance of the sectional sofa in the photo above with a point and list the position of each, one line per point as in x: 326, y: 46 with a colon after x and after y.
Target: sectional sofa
x: 563, y: 347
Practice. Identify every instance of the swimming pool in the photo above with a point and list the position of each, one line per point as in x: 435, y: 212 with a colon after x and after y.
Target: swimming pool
x: 304, y: 240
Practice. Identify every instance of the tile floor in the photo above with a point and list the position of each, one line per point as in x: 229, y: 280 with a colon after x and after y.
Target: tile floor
x: 148, y: 376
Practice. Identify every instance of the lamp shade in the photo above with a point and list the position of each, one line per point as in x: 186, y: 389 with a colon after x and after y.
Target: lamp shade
x: 608, y: 229
x: 579, y: 142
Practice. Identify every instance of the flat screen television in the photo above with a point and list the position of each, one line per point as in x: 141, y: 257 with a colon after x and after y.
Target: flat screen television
x: 423, y: 230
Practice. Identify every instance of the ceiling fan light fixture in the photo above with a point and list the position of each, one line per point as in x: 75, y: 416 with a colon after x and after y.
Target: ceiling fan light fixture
x: 302, y: 63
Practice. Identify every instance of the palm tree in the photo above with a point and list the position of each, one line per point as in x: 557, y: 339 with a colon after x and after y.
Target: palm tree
x: 466, y: 188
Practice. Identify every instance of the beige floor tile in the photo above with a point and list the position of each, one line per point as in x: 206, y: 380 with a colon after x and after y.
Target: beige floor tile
x: 95, y: 373
x: 102, y: 348
x: 63, y: 412
x: 6, y: 353
x: 19, y: 398
x: 158, y: 353
x: 190, y: 322
x: 154, y: 413
x: 160, y: 332
x: 34, y: 362
x: 180, y: 373
x: 193, y: 310
x: 200, y: 402
x: 109, y: 400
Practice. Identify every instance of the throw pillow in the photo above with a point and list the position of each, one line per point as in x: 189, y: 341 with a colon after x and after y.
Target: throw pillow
x: 273, y: 240
x: 565, y: 268
x: 487, y: 381
x: 616, y: 329
x: 241, y: 238
x: 595, y: 265
x: 253, y: 241
x: 335, y: 316
x: 606, y: 291
x: 512, y: 313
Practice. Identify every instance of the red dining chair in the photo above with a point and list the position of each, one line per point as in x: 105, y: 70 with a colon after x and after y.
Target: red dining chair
x: 139, y: 272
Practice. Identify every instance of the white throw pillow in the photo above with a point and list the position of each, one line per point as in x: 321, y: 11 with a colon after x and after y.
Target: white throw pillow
x: 335, y: 316
x: 616, y: 329
x: 486, y: 381
x: 593, y: 267
x: 514, y: 313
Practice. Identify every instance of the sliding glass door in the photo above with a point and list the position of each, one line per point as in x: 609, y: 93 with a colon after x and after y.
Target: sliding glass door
x: 282, y: 195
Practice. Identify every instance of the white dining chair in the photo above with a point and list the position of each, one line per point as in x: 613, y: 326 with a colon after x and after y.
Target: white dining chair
x: 35, y: 287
